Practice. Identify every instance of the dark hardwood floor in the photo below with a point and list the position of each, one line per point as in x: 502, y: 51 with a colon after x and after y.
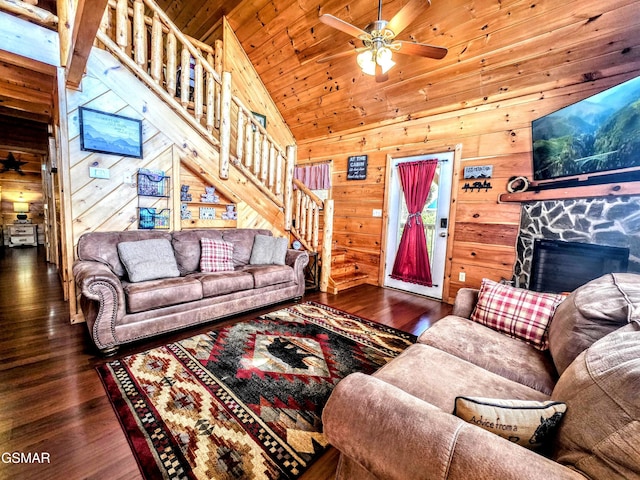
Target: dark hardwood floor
x: 52, y: 402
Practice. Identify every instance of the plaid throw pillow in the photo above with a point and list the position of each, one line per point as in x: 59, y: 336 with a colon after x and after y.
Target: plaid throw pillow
x: 216, y: 256
x: 517, y: 312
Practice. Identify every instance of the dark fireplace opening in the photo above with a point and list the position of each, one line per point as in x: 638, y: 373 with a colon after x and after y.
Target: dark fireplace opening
x: 559, y: 266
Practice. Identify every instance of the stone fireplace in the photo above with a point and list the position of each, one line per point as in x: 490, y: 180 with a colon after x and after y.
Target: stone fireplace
x: 613, y: 222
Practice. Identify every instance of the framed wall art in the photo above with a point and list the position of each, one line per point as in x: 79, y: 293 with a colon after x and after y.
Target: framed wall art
x: 109, y: 133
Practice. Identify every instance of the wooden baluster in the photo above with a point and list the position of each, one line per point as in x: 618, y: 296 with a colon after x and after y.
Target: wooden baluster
x: 240, y: 136
x: 185, y: 70
x: 211, y: 89
x: 172, y: 55
x: 218, y: 68
x: 303, y: 215
x: 272, y: 167
x: 298, y: 209
x: 264, y: 160
x: 225, y: 125
x: 139, y: 35
x: 122, y: 27
x: 315, y: 238
x: 198, y: 98
x: 248, y: 162
x: 256, y: 149
x: 310, y: 206
x: 157, y: 53
x: 288, y: 186
x: 279, y: 164
x: 104, y: 25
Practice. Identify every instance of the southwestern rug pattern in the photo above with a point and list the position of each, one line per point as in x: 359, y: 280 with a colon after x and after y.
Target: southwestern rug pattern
x: 244, y: 401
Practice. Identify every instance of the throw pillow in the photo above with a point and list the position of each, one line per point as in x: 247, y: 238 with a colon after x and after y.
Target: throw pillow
x: 148, y: 259
x: 268, y: 250
x: 526, y: 422
x: 216, y: 256
x: 517, y: 312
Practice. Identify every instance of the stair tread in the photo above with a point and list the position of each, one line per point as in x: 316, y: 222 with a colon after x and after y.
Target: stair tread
x: 348, y: 277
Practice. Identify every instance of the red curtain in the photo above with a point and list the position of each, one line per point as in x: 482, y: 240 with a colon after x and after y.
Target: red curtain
x: 412, y: 260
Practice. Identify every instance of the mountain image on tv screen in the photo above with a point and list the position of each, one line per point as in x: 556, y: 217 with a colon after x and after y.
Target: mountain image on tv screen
x: 597, y: 134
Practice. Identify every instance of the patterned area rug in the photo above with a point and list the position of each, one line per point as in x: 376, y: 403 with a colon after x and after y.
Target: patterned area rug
x: 244, y: 401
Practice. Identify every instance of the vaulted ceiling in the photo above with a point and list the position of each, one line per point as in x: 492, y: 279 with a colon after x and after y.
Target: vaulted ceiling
x: 496, y: 48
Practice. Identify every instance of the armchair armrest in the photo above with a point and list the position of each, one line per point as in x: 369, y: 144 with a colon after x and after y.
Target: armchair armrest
x: 395, y: 435
x: 297, y: 259
x: 103, y: 302
x: 465, y: 302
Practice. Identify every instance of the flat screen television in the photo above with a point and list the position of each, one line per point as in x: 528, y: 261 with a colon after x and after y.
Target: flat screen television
x: 595, y: 136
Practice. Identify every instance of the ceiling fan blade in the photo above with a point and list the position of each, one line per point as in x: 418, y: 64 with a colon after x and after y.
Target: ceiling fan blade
x: 407, y: 14
x: 330, y: 58
x: 343, y: 26
x: 420, y: 49
x: 381, y: 77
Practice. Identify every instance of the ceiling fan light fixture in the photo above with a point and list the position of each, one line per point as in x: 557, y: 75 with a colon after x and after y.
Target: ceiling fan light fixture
x: 367, y: 63
x: 384, y: 59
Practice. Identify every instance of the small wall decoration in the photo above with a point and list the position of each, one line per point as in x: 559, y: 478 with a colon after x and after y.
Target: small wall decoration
x: 210, y: 196
x: 477, y: 186
x: 109, y: 133
x: 357, y: 167
x: 480, y: 171
x: 207, y: 213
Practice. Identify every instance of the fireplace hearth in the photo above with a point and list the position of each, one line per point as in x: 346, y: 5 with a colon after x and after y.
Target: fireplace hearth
x: 559, y: 266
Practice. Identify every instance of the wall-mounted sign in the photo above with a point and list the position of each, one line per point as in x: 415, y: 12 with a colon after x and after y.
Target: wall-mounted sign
x: 357, y: 167
x: 480, y: 171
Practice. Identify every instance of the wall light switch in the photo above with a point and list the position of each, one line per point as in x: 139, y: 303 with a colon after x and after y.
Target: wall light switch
x: 462, y: 276
x: 95, y: 172
x: 377, y: 212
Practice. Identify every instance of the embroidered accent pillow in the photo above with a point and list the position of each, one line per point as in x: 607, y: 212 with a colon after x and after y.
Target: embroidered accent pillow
x: 528, y: 423
x: 148, y: 259
x: 517, y: 312
x: 216, y: 256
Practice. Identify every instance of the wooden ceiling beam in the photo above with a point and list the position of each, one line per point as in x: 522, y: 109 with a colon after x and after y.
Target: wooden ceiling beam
x: 85, y: 26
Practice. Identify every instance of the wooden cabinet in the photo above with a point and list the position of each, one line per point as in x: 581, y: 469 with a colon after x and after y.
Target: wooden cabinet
x: 22, y: 234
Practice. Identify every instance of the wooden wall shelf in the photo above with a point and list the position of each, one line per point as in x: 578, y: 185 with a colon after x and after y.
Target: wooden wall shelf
x: 604, y: 190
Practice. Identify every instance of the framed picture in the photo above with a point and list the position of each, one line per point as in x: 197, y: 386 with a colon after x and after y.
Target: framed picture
x: 109, y: 133
x: 262, y: 120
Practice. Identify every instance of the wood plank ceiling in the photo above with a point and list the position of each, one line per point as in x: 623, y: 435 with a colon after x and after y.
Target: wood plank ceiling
x: 495, y: 47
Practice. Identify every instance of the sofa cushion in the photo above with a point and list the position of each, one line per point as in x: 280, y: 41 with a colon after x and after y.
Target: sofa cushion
x: 268, y: 250
x: 528, y: 423
x: 148, y: 259
x: 517, y: 312
x: 103, y: 246
x: 438, y: 377
x: 592, y: 311
x: 186, y: 246
x: 494, y: 351
x: 216, y: 256
x: 152, y: 294
x: 242, y: 239
x: 265, y: 275
x: 600, y: 431
x: 214, y: 284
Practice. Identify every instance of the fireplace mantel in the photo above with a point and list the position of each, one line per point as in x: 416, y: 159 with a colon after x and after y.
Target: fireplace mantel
x: 587, y: 191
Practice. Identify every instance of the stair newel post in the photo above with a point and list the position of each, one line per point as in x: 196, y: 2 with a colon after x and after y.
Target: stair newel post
x: 185, y: 70
x: 139, y: 34
x: 225, y: 125
x: 198, y: 90
x: 122, y: 24
x: 156, y: 49
x: 327, y: 236
x: 288, y: 186
x: 172, y: 55
x: 240, y: 136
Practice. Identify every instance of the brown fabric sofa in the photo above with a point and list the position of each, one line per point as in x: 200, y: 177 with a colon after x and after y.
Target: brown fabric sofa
x: 398, y: 423
x: 118, y: 311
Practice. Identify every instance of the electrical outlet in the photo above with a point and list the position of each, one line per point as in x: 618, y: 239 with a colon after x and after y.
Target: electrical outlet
x: 128, y: 178
x: 377, y: 212
x: 462, y: 276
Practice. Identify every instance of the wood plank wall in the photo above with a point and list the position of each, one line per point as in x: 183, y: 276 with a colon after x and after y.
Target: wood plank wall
x: 498, y: 134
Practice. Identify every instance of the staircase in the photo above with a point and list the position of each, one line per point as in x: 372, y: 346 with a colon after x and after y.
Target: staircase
x: 344, y: 272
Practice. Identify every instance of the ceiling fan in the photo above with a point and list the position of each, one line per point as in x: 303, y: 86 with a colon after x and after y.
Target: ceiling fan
x: 375, y: 57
